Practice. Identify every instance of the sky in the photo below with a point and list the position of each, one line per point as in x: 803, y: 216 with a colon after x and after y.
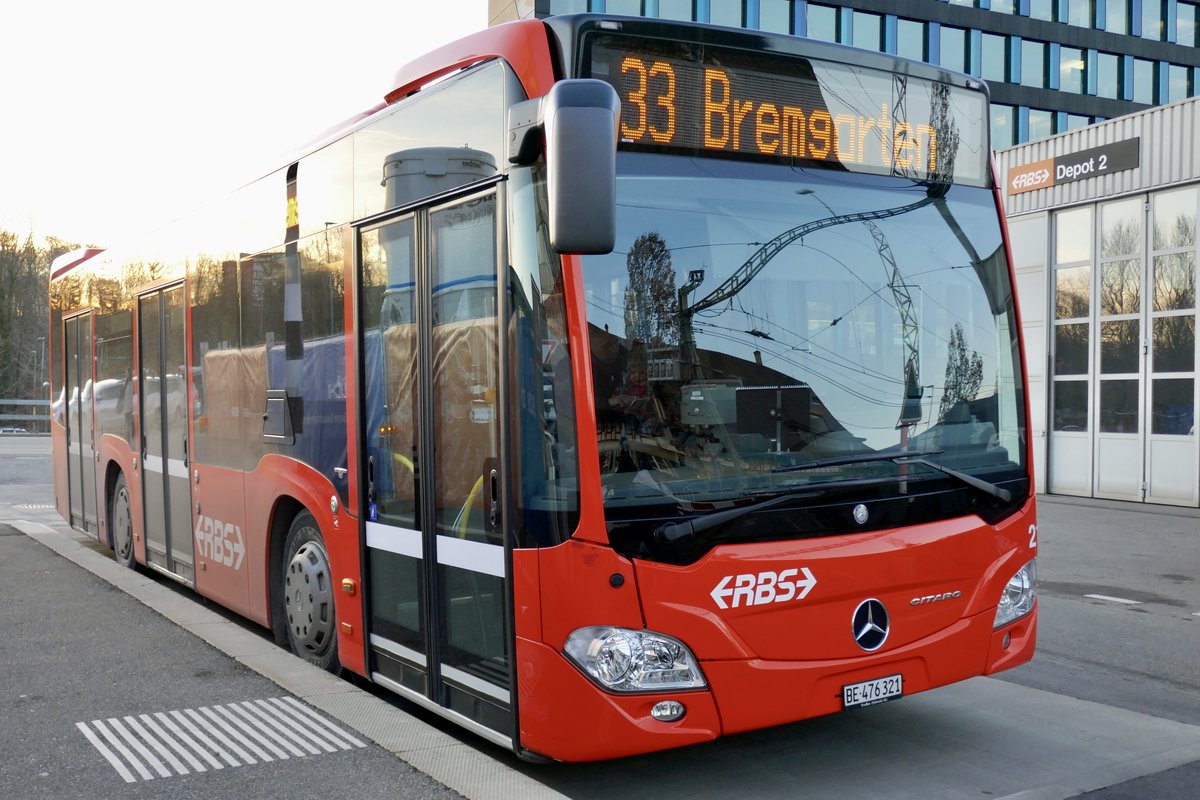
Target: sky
x: 118, y: 117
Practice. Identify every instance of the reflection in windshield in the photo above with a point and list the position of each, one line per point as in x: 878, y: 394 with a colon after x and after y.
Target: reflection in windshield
x: 755, y: 318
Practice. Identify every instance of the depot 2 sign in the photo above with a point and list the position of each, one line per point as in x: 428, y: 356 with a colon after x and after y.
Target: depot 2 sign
x: 1090, y: 163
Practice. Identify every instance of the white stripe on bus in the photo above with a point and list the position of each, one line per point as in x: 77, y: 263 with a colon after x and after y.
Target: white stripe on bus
x: 401, y: 541
x: 473, y: 556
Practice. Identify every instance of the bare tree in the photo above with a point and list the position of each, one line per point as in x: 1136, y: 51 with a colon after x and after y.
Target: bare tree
x: 652, y: 302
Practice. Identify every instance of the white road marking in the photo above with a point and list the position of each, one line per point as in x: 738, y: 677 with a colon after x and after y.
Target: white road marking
x: 117, y: 764
x: 1114, y: 599
x: 160, y: 744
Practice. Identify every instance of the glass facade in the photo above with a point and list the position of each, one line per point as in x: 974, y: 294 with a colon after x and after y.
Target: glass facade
x: 1044, y: 55
x: 1124, y: 361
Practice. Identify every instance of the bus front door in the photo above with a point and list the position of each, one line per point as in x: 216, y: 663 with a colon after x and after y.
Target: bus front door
x: 81, y: 459
x: 162, y: 382
x: 431, y: 430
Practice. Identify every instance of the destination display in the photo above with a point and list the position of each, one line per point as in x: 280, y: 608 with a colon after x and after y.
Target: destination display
x: 689, y: 97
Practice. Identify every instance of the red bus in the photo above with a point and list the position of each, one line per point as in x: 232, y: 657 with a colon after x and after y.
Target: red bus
x: 614, y: 385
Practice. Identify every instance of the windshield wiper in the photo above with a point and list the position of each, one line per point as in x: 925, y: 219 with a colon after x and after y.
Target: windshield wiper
x: 858, y: 458
x: 910, y: 457
x: 986, y: 487
x: 672, y: 533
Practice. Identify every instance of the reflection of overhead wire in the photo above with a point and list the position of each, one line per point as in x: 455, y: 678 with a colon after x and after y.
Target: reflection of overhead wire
x: 783, y: 357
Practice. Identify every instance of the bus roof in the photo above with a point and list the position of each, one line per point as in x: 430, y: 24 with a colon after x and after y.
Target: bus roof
x: 69, y: 261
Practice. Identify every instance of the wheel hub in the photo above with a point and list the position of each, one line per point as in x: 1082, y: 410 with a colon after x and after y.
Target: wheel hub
x: 309, y: 599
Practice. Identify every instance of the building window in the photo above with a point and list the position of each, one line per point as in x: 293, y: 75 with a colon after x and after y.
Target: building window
x: 1177, y: 83
x: 775, y: 16
x: 1186, y: 24
x: 1143, y: 81
x: 1077, y: 121
x: 1117, y: 13
x: 1108, y: 75
x: 1042, y: 9
x: 954, y: 48
x: 1152, y: 19
x: 729, y: 14
x: 910, y: 39
x: 1079, y: 13
x: 1071, y: 70
x: 994, y: 58
x: 628, y: 8
x: 1004, y: 6
x: 675, y: 9
x: 568, y: 6
x: 1041, y: 124
x: 1004, y: 126
x: 1033, y: 64
x: 868, y: 31
x: 822, y: 23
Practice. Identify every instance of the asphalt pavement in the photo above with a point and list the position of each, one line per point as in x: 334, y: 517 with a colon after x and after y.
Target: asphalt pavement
x: 1111, y: 704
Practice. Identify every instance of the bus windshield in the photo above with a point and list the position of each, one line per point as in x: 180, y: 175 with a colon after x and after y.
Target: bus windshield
x: 764, y: 329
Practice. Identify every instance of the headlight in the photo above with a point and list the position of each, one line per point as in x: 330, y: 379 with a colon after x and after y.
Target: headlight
x: 1017, y: 598
x: 623, y: 660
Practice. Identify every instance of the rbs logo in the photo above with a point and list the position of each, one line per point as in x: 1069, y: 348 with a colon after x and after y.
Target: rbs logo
x: 221, y: 542
x: 756, y: 589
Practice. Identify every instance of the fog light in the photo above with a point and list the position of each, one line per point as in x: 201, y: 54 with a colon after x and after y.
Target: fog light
x: 668, y: 711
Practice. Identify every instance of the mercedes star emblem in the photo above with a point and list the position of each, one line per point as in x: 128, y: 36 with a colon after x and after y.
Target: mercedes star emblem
x: 870, y: 625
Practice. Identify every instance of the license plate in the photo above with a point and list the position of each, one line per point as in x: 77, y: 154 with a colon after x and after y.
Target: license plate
x: 868, y: 693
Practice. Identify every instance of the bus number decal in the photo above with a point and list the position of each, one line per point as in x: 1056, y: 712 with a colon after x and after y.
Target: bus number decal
x: 757, y: 589
x: 220, y: 541
x: 1033, y: 537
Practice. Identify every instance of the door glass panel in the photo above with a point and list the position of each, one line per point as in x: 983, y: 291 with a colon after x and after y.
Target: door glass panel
x: 1073, y: 235
x: 1070, y: 406
x: 1121, y: 287
x: 1174, y: 282
x: 74, y: 475
x: 1070, y: 349
x: 1175, y: 219
x: 466, y: 440
x: 1173, y: 409
x: 1071, y: 292
x: 1119, y: 346
x: 391, y: 402
x: 1175, y: 344
x: 150, y: 390
x: 174, y: 414
x: 1121, y: 228
x: 1119, y: 406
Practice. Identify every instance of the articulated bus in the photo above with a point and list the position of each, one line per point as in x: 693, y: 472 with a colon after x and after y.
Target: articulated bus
x: 614, y: 385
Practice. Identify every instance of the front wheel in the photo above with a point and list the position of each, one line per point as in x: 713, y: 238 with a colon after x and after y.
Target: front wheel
x: 120, y: 525
x: 308, y: 595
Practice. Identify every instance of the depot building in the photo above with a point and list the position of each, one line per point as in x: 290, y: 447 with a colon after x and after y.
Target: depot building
x: 1103, y: 224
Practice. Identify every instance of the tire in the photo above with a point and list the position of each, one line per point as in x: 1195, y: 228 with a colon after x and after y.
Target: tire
x: 120, y: 525
x: 307, y: 589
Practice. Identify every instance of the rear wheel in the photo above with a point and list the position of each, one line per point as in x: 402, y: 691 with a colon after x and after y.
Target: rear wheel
x: 120, y: 524
x: 307, y: 584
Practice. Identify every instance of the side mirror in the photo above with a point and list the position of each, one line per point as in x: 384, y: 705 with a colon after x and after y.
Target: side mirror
x: 579, y: 120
